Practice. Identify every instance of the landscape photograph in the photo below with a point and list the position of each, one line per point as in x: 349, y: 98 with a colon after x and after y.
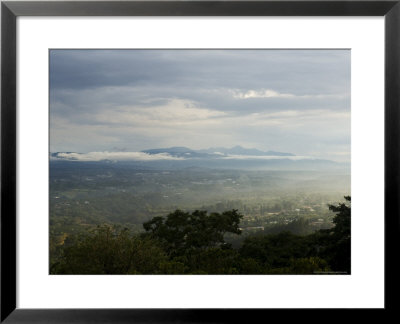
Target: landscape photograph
x: 200, y: 162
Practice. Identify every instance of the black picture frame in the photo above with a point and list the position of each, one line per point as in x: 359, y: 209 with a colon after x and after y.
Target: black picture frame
x: 10, y: 10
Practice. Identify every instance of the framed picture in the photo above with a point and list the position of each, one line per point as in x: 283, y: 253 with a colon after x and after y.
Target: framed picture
x: 196, y: 152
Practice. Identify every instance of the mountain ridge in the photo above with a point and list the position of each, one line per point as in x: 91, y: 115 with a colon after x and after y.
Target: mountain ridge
x: 182, y: 151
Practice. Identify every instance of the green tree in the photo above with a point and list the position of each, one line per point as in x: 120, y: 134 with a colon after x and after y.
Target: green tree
x: 214, y: 260
x: 275, y: 250
x: 341, y: 233
x: 311, y: 265
x: 336, y: 242
x: 342, y: 220
x: 182, y: 232
x: 110, y: 250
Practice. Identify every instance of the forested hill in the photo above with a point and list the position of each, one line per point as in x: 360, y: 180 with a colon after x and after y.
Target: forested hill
x: 195, y: 243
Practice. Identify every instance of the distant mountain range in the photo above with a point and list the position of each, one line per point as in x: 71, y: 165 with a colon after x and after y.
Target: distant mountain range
x: 238, y: 150
x: 213, y: 152
x: 174, y: 158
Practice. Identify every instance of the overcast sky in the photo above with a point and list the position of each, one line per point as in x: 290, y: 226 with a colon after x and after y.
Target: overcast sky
x: 295, y: 101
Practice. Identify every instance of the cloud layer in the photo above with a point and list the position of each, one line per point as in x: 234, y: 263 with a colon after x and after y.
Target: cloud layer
x: 118, y: 156
x: 141, y: 156
x: 294, y: 101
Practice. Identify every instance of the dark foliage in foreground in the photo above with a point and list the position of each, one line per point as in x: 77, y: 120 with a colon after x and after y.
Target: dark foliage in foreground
x: 193, y: 243
x: 182, y: 233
